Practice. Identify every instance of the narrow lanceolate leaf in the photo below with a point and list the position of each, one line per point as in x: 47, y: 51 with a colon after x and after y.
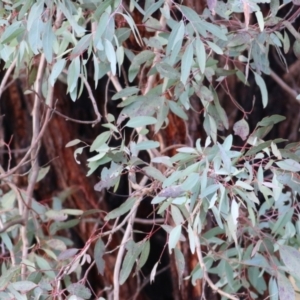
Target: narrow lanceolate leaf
x: 140, y: 122
x: 176, y: 35
x: 23, y: 286
x: 126, y: 92
x: 201, y: 55
x: 263, y: 89
x: 48, y: 41
x: 98, y: 255
x: 291, y: 258
x: 260, y: 20
x: 73, y: 74
x: 285, y: 288
x: 56, y: 70
x: 153, y: 272
x: 111, y: 56
x: 215, y: 47
x: 131, y: 256
x: 82, y: 45
x: 121, y: 210
x: 186, y: 63
x: 180, y: 263
x: 174, y: 237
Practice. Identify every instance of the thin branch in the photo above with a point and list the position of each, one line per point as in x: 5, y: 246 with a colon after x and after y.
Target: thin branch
x: 34, y: 157
x: 6, y: 76
x: 7, y: 225
x: 116, y: 83
x: 283, y: 85
x: 150, y: 222
x: 205, y: 275
x: 93, y: 100
x: 120, y: 255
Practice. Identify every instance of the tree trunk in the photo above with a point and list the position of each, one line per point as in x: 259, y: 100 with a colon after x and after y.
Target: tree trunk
x: 66, y: 174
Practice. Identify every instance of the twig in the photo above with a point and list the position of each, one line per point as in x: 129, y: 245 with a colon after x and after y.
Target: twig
x: 283, y: 85
x: 205, y: 275
x: 120, y: 255
x: 152, y: 78
x: 6, y: 76
x: 12, y: 223
x: 93, y: 100
x: 147, y: 280
x: 34, y: 158
x: 150, y: 222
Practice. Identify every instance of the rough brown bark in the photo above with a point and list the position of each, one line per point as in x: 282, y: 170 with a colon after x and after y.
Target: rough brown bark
x: 66, y: 173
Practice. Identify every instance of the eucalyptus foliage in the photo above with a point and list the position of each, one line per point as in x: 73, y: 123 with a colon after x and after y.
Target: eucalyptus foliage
x: 251, y: 195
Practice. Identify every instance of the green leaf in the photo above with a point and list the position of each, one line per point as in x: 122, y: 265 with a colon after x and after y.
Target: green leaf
x: 99, y: 251
x: 42, y: 173
x: 244, y: 185
x: 177, y: 110
x: 144, y: 254
x: 274, y: 119
x: 73, y: 74
x: 102, y: 24
x: 215, y: 48
x: 176, y: 215
x: 191, y: 239
x: 180, y: 264
x: 152, y: 8
x: 48, y: 41
x: 132, y: 254
x: 111, y: 56
x: 73, y: 143
x: 263, y: 89
x: 165, y: 70
x: 35, y: 12
x: 67, y: 254
x: 126, y: 92
x: 57, y: 70
x: 214, y: 29
x: 176, y: 36
x: 273, y: 289
x: 44, y: 265
x: 260, y: 20
x: 258, y: 148
x: 201, y: 55
x: 186, y: 64
x: 288, y: 165
x: 78, y: 29
x: 155, y: 173
x: 140, y: 122
x: 79, y: 290
x: 145, y: 56
x: 289, y: 179
x: 146, y: 145
x: 174, y: 237
x: 291, y: 258
x: 285, y: 288
x: 11, y: 32
x: 241, y: 128
x: 23, y: 286
x: 82, y: 45
x: 100, y: 140
x: 54, y: 227
x: 121, y: 210
x: 153, y: 272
